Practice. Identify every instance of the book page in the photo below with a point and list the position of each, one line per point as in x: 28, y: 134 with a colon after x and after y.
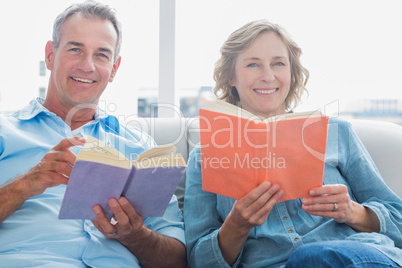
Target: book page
x: 230, y: 109
x: 298, y: 115
x: 156, y: 151
x: 166, y: 160
x: 97, y: 151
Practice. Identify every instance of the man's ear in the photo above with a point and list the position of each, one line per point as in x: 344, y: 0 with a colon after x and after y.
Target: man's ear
x: 114, y: 69
x: 49, y: 55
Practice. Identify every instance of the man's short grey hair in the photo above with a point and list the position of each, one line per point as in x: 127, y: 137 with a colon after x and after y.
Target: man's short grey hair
x: 90, y: 9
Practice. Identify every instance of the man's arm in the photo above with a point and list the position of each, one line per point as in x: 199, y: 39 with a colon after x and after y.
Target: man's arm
x: 149, y: 247
x: 54, y: 169
x: 156, y: 250
x: 12, y: 196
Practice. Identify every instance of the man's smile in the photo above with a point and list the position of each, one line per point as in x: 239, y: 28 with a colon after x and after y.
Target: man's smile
x: 83, y: 80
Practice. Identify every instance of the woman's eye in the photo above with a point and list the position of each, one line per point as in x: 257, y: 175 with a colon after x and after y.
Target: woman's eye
x: 252, y: 65
x: 279, y: 64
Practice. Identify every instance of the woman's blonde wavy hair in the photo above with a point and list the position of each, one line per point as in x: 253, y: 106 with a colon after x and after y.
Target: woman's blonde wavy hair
x: 240, y: 40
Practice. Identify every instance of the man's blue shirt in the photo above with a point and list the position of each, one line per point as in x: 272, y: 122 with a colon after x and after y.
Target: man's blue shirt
x: 34, y: 236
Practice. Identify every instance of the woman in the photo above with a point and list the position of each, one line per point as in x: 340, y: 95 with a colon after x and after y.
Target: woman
x: 352, y: 220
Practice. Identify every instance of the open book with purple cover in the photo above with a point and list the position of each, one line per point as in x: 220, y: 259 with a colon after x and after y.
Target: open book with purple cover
x: 101, y: 172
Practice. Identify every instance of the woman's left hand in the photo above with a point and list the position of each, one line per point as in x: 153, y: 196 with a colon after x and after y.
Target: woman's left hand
x: 333, y: 201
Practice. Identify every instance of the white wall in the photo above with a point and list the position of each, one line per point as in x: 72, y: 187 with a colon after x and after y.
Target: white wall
x: 352, y: 48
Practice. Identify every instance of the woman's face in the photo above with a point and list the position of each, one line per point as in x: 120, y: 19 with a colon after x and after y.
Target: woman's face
x: 262, y: 76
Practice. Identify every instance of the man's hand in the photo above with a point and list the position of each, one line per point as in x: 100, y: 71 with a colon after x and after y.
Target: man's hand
x: 54, y: 168
x: 149, y: 247
x: 127, y: 221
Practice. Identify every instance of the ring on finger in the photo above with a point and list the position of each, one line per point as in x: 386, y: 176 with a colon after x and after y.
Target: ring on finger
x: 335, y: 207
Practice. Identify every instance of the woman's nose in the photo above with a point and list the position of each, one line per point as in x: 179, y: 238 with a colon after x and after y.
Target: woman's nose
x: 267, y: 75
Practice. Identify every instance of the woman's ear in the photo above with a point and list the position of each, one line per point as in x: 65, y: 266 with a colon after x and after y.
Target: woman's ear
x: 49, y: 55
x: 232, y: 82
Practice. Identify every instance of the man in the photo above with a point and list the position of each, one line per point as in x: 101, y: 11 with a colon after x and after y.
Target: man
x: 37, y: 152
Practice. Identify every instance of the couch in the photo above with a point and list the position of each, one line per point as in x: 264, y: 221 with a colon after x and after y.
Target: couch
x: 383, y: 140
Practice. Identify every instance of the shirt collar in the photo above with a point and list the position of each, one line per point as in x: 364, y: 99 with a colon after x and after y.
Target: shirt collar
x: 35, y: 107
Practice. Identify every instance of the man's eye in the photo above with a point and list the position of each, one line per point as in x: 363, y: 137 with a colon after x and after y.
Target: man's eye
x: 252, y: 65
x: 74, y: 49
x: 103, y: 55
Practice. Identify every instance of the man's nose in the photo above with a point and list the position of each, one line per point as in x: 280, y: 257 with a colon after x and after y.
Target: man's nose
x: 87, y: 64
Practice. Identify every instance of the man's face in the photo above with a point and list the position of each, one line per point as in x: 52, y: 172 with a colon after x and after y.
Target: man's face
x: 83, y: 64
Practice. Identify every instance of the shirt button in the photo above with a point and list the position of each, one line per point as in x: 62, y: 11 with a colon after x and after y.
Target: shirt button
x: 285, y: 218
x: 296, y: 239
x: 290, y: 231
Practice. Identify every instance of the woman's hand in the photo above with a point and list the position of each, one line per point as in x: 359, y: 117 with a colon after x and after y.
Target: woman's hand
x: 250, y: 211
x: 330, y: 201
x: 333, y: 201
x: 253, y: 209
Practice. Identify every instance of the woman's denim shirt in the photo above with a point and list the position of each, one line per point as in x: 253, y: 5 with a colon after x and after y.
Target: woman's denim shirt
x: 288, y: 226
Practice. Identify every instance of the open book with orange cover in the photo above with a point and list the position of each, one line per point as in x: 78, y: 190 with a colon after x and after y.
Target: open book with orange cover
x: 239, y: 150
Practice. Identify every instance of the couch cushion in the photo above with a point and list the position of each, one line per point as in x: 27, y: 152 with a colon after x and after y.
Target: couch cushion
x: 383, y: 140
x: 165, y: 130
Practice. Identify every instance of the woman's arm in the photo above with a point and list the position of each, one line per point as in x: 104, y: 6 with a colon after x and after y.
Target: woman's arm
x: 367, y: 204
x: 212, y: 240
x: 250, y: 211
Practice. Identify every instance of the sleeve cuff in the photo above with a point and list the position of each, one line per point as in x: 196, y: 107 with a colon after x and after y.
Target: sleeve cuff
x: 218, y: 254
